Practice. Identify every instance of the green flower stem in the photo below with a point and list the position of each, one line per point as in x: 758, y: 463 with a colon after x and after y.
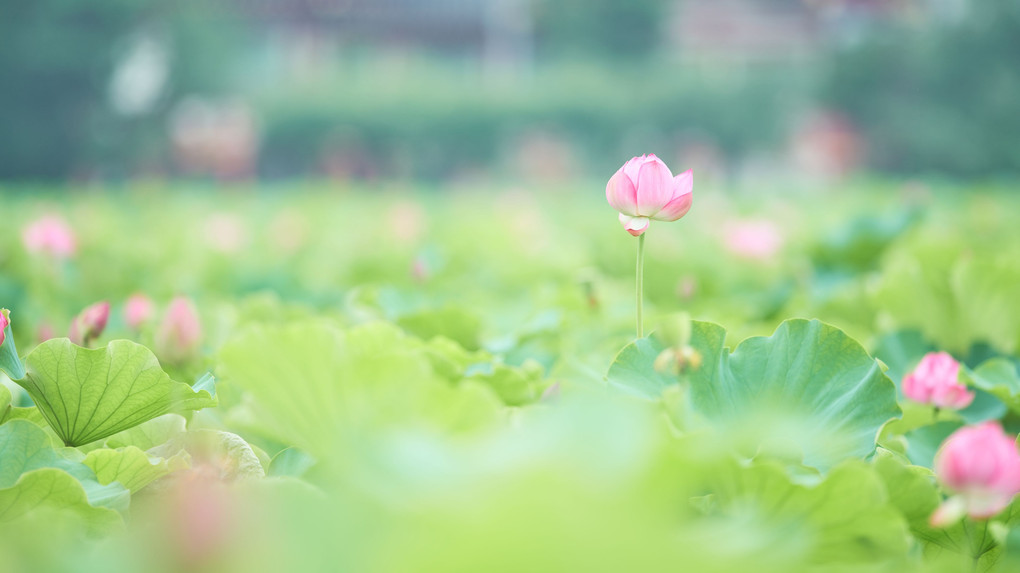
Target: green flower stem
x: 640, y: 284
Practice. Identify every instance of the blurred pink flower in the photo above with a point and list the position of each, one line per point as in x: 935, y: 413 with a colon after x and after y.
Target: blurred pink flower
x: 981, y: 466
x: 137, y: 310
x: 407, y: 221
x: 50, y: 235
x: 226, y: 232
x: 180, y: 332
x: 45, y: 332
x: 934, y: 382
x: 644, y: 188
x: 753, y: 239
x: 90, y: 323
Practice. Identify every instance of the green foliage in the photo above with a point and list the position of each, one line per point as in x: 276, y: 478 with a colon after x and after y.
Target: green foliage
x: 130, y: 466
x: 90, y: 394
x: 397, y: 411
x: 33, y: 473
x: 319, y: 387
x: 809, y: 390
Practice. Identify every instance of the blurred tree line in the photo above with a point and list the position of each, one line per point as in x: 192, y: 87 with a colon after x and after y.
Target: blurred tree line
x: 939, y: 99
x: 57, y: 58
x: 944, y: 99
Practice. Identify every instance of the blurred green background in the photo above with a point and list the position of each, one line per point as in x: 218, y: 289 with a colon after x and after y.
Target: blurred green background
x: 115, y: 90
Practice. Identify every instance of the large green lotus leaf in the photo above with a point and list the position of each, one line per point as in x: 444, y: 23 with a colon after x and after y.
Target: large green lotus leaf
x: 912, y: 491
x: 315, y: 385
x: 998, y: 377
x: 90, y: 394
x: 846, y: 518
x: 809, y: 385
x: 131, y: 467
x: 633, y: 372
x: 149, y: 434
x: 452, y: 322
x: 25, y: 447
x: 54, y: 488
x: 808, y: 392
x: 975, y: 298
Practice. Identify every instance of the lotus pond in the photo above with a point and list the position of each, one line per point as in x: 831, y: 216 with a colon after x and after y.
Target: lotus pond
x: 336, y: 377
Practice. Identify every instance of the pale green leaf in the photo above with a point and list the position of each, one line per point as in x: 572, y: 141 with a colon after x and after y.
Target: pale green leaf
x: 90, y: 394
x: 132, y: 467
x: 809, y: 392
x: 998, y: 377
x: 53, y: 488
x: 25, y: 447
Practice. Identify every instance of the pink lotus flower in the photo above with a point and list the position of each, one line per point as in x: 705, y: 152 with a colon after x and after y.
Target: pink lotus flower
x: 4, y: 321
x: 645, y: 189
x: 753, y: 239
x: 981, y: 466
x: 89, y: 323
x: 934, y: 382
x: 137, y: 311
x: 180, y: 332
x: 50, y: 235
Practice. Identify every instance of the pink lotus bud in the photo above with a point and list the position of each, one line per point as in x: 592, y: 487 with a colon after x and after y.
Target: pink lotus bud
x: 981, y: 466
x: 89, y: 323
x: 49, y: 235
x: 180, y: 333
x: 753, y: 239
x: 137, y: 311
x: 4, y: 321
x: 644, y: 189
x: 934, y: 382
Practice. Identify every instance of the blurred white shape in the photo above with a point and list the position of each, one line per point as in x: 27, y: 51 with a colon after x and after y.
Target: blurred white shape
x: 214, y: 137
x: 140, y: 76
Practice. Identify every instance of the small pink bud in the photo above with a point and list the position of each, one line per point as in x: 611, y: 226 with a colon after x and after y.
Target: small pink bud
x: 180, y: 332
x: 934, y: 382
x: 4, y: 321
x: 50, y: 235
x: 137, y: 311
x: 420, y: 270
x: 89, y: 323
x: 981, y: 466
x: 644, y: 188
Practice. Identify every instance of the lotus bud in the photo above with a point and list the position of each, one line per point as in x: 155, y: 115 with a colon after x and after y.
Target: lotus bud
x: 10, y: 363
x: 137, y: 311
x: 934, y: 382
x: 980, y: 465
x: 180, y: 332
x: 5, y: 321
x: 90, y: 323
x: 645, y: 189
x: 49, y: 235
